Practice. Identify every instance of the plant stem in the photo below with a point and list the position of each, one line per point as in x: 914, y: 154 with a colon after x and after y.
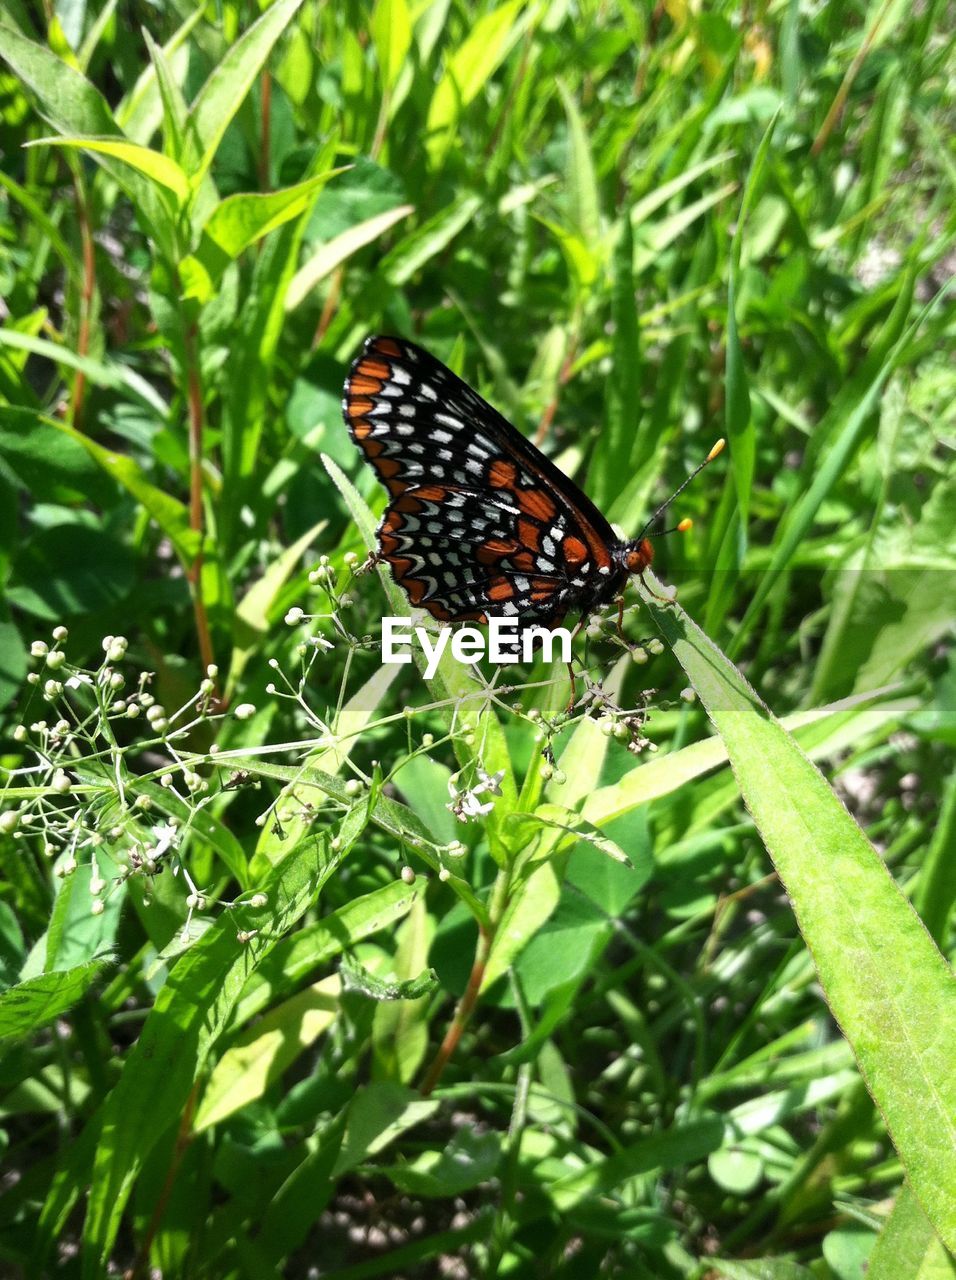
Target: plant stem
x: 466, y: 1005
x: 196, y: 423
x: 87, y: 289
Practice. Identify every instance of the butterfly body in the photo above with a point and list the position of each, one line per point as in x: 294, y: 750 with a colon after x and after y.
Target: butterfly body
x: 479, y: 521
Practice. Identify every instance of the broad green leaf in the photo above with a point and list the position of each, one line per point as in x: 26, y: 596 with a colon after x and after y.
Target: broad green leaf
x: 411, y: 254
x: 682, y: 1145
x: 888, y: 987
x: 224, y: 92
x: 378, y: 1114
x: 584, y: 204
x: 36, y: 1002
x: 623, y: 446
x: 153, y: 165
x: 74, y: 107
x: 391, y: 29
x: 189, y: 1015
x: 252, y: 613
x: 400, y: 1025
x: 336, y: 251
x: 239, y: 221
x: 656, y: 199
x: 469, y: 1159
x: 387, y: 814
x: 261, y: 1054
x: 171, y: 515
x: 49, y: 462
x: 655, y: 237
x: 823, y: 731
x: 468, y: 70
x: 103, y: 373
x: 908, y: 1246
x: 296, y: 957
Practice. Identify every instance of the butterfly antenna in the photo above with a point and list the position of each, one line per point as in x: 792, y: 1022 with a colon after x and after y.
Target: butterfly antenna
x: 680, y: 528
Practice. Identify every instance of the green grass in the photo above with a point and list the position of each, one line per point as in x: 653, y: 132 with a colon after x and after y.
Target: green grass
x: 678, y: 1004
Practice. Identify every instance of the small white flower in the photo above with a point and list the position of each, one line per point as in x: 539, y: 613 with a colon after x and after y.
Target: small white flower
x: 166, y: 837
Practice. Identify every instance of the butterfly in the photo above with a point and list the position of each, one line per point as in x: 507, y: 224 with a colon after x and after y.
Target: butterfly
x: 479, y: 521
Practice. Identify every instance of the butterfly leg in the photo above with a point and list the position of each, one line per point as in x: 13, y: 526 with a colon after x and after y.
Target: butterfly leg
x: 371, y: 561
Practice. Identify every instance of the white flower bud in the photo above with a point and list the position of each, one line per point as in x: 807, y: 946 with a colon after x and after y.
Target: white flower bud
x: 55, y: 659
x: 61, y: 782
x: 408, y: 875
x: 166, y: 780
x: 39, y: 649
x: 207, y: 686
x: 132, y: 711
x: 143, y: 802
x: 258, y: 900
x: 212, y: 671
x: 9, y: 821
x: 116, y: 680
x: 294, y: 616
x: 688, y: 695
x: 639, y: 655
x: 97, y: 907
x: 353, y: 787
x: 20, y: 733
x: 60, y: 633
x: 33, y: 678
x: 244, y: 711
x: 52, y: 689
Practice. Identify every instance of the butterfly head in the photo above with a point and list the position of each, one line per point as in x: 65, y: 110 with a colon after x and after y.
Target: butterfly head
x: 637, y: 555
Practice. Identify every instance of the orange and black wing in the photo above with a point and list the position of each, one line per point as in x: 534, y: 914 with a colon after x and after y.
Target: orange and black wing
x: 479, y: 522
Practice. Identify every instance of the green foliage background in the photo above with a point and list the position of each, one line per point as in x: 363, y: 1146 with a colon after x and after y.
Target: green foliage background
x: 634, y: 228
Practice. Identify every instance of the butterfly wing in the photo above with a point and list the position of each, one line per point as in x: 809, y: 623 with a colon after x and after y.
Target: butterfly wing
x: 479, y: 522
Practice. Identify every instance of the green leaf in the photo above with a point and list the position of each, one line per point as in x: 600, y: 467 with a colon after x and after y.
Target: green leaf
x: 188, y: 1017
x: 410, y: 255
x: 294, y: 958
x: 584, y: 201
x: 35, y: 1003
x: 71, y: 569
x: 358, y: 978
x: 153, y: 165
x: 101, y: 372
x: 885, y: 982
x: 391, y: 29
x: 338, y: 250
x: 253, y: 612
x: 171, y: 515
x: 260, y: 1055
x: 241, y: 220
x: 468, y: 1160
x: 48, y: 461
x: 908, y: 1246
x: 468, y: 70
x: 224, y: 92
x: 378, y: 1114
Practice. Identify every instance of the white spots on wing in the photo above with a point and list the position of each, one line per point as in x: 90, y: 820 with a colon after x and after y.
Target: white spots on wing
x: 447, y: 420
x: 400, y: 375
x: 428, y: 391
x: 442, y: 437
x: 605, y: 569
x: 406, y: 410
